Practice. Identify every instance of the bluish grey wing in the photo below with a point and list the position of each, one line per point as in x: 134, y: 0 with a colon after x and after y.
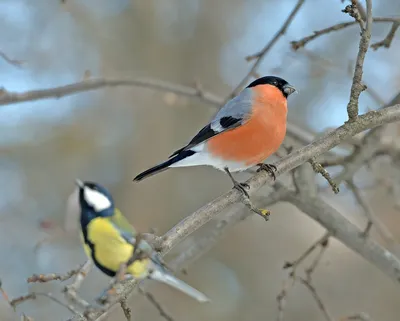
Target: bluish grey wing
x: 233, y: 114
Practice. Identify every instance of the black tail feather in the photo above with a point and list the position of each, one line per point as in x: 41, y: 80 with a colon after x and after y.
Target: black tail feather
x: 164, y: 166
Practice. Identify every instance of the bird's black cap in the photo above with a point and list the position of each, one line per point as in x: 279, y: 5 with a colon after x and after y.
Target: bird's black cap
x: 280, y: 83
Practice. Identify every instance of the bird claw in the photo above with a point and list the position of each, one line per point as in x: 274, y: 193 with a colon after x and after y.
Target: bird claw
x: 269, y: 168
x: 241, y: 187
x: 264, y: 213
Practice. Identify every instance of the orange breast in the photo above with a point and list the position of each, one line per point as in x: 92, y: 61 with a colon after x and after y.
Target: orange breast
x: 260, y: 136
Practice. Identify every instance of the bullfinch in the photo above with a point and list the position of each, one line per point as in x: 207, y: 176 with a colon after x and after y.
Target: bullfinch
x: 244, y: 132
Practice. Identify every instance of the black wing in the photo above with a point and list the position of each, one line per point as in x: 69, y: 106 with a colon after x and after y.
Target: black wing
x: 207, y: 132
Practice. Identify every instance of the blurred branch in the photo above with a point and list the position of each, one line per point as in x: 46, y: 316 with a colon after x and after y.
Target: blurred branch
x: 42, y: 278
x: 8, y: 97
x: 281, y: 297
x: 304, y: 41
x: 358, y: 317
x: 156, y: 304
x: 259, y: 56
x: 357, y: 87
x: 323, y: 242
x: 369, y: 213
x: 318, y: 300
x: 34, y: 295
x: 388, y: 39
x: 319, y: 169
x: 127, y: 310
x: 14, y: 62
x: 350, y: 235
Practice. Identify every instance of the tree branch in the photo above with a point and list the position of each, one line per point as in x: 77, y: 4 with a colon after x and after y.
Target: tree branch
x: 259, y: 56
x: 357, y: 87
x: 7, y: 97
x: 350, y: 235
x: 304, y: 41
x: 388, y: 39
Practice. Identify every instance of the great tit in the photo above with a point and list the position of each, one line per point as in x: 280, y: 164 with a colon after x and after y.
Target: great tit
x: 109, y: 240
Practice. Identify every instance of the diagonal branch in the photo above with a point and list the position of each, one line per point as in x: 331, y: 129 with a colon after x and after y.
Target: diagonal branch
x: 369, y: 213
x: 259, y: 56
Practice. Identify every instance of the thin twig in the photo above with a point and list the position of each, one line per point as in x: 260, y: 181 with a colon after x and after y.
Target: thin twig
x: 14, y: 62
x: 319, y: 169
x: 291, y: 281
x: 317, y: 299
x: 340, y: 26
x: 34, y: 295
x: 156, y: 304
x: 320, y: 242
x: 70, y: 291
x: 259, y: 56
x: 323, y: 247
x: 371, y: 217
x: 357, y: 87
x: 388, y: 39
x: 42, y: 278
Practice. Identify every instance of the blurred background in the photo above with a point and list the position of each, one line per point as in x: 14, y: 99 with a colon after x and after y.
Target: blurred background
x: 110, y: 135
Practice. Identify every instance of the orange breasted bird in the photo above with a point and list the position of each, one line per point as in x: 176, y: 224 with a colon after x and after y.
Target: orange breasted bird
x: 244, y: 132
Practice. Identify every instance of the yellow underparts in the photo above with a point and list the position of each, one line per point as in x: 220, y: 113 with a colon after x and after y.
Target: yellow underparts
x: 111, y: 250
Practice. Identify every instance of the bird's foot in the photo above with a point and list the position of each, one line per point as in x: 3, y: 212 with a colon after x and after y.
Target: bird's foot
x: 269, y: 168
x: 241, y: 187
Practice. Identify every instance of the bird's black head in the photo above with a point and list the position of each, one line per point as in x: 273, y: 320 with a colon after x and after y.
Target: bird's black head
x: 286, y: 88
x: 95, y: 199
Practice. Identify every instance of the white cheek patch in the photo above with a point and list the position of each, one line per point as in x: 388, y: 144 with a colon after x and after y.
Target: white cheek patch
x: 96, y: 199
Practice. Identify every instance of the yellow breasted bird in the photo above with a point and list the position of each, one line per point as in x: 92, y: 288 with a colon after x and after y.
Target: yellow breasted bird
x: 109, y: 240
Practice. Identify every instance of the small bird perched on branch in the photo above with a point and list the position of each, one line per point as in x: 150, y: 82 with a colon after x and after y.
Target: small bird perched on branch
x: 245, y: 131
x: 111, y: 241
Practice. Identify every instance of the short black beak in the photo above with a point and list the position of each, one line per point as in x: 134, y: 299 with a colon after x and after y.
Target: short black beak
x: 79, y: 183
x: 288, y: 89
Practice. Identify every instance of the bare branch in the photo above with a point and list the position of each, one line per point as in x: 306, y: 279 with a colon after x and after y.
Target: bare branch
x: 388, y: 39
x: 14, y: 62
x: 350, y: 235
x: 259, y: 56
x: 317, y: 298
x: 318, y: 168
x: 357, y: 87
x: 358, y: 316
x: 156, y: 304
x: 42, y: 278
x: 320, y: 242
x: 369, y: 213
x: 34, y: 295
x: 304, y: 41
x: 127, y: 310
x: 7, y: 97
